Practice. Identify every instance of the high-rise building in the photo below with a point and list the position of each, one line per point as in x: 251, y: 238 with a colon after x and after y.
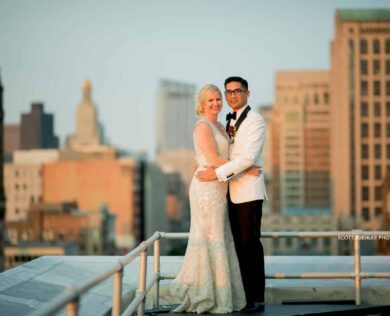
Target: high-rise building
x: 266, y: 113
x: 175, y: 115
x: 360, y: 114
x: 11, y: 140
x: 300, y: 143
x: 37, y: 129
x: 88, y: 131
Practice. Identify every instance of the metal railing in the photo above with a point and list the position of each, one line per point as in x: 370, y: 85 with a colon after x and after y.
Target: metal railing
x: 69, y: 299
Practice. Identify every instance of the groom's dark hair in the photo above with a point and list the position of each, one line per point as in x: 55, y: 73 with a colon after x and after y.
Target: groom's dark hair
x: 237, y: 79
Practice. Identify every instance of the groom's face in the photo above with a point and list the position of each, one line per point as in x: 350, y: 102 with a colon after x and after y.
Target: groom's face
x: 236, y: 95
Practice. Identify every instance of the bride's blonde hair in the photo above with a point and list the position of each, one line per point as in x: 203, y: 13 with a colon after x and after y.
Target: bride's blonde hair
x: 202, y: 97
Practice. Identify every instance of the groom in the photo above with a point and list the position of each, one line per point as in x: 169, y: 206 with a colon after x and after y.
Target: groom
x: 246, y: 193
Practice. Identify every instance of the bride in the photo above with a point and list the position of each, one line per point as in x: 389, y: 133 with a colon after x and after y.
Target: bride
x: 210, y: 279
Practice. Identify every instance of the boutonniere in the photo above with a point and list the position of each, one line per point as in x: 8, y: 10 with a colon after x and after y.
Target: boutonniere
x: 232, y: 130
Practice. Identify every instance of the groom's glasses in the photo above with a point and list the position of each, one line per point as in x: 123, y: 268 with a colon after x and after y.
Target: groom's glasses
x: 230, y: 93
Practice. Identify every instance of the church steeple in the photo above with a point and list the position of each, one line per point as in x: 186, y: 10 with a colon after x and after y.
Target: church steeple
x: 87, y: 90
x: 87, y: 132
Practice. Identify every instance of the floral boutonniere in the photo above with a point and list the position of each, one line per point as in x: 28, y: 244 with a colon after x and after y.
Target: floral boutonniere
x: 232, y: 130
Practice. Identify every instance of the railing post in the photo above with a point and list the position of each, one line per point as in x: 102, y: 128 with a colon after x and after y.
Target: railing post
x: 142, y: 281
x: 72, y: 308
x: 356, y: 251
x: 117, y: 291
x: 157, y: 271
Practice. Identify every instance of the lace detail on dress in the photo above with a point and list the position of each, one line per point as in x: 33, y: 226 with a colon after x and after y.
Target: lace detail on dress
x: 210, y: 279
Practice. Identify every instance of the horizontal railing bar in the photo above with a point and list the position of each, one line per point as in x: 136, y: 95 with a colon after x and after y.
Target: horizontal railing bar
x: 174, y: 235
x: 306, y: 275
x: 377, y: 275
x: 324, y: 234
x: 316, y: 234
x: 330, y: 275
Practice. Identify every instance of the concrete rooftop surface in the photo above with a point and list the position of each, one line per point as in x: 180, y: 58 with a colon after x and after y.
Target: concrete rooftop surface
x: 27, y: 287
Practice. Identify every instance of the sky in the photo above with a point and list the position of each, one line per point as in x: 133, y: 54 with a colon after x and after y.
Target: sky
x: 124, y: 47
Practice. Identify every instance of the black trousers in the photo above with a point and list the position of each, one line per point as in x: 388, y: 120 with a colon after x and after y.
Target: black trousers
x: 245, y: 221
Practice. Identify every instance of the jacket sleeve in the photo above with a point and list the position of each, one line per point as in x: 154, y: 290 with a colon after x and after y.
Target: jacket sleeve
x: 253, y: 144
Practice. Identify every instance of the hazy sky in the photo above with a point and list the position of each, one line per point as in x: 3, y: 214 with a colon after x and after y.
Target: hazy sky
x: 48, y: 47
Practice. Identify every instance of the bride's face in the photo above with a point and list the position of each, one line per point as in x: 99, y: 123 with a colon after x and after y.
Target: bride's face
x: 213, y: 104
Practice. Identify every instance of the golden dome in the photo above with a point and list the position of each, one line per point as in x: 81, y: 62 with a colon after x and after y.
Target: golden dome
x: 86, y: 84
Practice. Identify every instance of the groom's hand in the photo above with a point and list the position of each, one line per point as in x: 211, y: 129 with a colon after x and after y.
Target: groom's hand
x: 207, y: 174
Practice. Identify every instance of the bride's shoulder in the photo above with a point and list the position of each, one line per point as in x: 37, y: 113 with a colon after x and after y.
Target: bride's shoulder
x: 202, y: 124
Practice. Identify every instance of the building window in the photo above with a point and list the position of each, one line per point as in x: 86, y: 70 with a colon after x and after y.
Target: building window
x: 377, y: 130
x: 387, y: 87
x: 377, y: 151
x: 364, y: 130
x: 363, y: 46
x: 364, y: 151
x: 17, y: 211
x: 315, y: 98
x: 376, y: 46
x: 377, y: 88
x: 326, y: 97
x: 378, y: 172
x: 364, y: 109
x: 378, y: 211
x: 365, y: 175
x: 387, y: 46
x: 388, y: 129
x: 387, y: 67
x: 377, y: 109
x: 388, y: 109
x: 388, y: 151
x: 378, y: 193
x: 364, y: 88
x: 376, y: 67
x: 365, y: 193
x: 363, y: 67
x: 366, y: 213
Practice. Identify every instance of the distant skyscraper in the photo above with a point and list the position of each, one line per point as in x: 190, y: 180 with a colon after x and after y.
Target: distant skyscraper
x: 11, y: 140
x: 301, y: 147
x: 37, y: 129
x: 175, y: 115
x: 266, y: 113
x: 87, y: 132
x: 360, y: 113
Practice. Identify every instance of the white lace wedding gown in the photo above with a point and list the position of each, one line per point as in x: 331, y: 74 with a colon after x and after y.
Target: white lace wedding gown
x: 210, y: 279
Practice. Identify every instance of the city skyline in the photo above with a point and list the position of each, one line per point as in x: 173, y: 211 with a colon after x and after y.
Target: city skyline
x: 48, y: 48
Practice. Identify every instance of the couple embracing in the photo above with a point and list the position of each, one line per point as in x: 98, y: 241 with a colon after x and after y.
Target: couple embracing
x: 223, y: 268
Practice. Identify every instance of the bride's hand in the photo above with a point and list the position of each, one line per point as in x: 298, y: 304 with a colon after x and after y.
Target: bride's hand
x: 255, y: 171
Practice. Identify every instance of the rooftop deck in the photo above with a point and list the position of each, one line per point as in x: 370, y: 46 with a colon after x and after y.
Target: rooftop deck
x: 25, y: 288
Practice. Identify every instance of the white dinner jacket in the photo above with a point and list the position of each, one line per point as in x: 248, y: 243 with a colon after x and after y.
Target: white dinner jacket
x: 246, y: 151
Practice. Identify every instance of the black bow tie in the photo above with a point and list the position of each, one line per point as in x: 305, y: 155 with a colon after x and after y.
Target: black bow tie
x: 230, y: 116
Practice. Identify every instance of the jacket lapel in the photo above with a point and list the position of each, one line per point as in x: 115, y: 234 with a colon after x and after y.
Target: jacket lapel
x: 242, y: 117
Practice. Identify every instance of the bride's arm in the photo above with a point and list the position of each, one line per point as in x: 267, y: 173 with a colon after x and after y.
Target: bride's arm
x: 207, y: 144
